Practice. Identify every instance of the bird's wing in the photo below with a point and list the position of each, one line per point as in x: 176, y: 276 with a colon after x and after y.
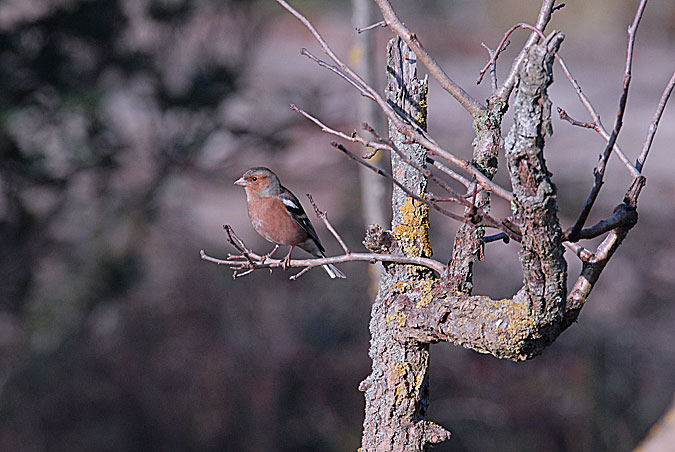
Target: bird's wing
x: 296, y: 211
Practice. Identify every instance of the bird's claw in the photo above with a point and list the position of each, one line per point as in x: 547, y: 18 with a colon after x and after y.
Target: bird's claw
x: 286, y: 262
x: 268, y: 255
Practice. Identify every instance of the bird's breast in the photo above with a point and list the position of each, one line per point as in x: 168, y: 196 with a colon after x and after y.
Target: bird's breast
x: 272, y: 221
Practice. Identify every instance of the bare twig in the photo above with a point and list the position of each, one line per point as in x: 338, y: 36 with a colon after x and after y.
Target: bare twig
x: 493, y: 66
x: 493, y: 238
x: 501, y: 45
x: 436, y: 266
x: 394, y: 23
x: 401, y: 124
x: 300, y: 273
x: 490, y: 221
x: 458, y: 177
x: 572, y: 234
x: 354, y: 137
x: 542, y: 20
x: 564, y: 116
x: 370, y: 27
x: 324, y: 217
x: 557, y: 7
x: 454, y: 196
x: 582, y: 253
x: 364, y: 92
x: 622, y: 216
x: 596, y: 118
x: 385, y: 174
x: 639, y: 163
x: 254, y: 264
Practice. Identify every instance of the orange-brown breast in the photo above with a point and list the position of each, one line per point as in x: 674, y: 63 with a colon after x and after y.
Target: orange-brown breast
x: 271, y: 220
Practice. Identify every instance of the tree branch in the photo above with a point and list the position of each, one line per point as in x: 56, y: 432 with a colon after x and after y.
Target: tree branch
x: 640, y: 162
x: 401, y: 123
x: 572, y: 234
x: 493, y: 67
x: 542, y: 20
x: 565, y: 117
x: 324, y: 217
x: 502, y: 45
x: 394, y: 23
x: 252, y: 261
x: 599, y: 127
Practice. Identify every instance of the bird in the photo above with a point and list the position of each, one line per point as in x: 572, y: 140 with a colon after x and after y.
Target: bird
x: 277, y: 215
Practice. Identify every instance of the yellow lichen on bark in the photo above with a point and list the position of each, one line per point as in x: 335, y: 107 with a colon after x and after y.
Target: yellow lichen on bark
x: 421, y: 116
x: 397, y: 317
x: 513, y: 320
x: 404, y: 387
x: 426, y: 296
x: 397, y: 380
x: 413, y: 233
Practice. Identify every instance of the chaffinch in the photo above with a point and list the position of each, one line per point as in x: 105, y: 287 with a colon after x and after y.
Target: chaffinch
x: 278, y: 216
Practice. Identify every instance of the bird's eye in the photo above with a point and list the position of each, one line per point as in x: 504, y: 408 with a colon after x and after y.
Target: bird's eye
x: 254, y: 178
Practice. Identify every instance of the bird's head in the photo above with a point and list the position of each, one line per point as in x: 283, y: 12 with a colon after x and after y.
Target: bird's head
x: 261, y: 181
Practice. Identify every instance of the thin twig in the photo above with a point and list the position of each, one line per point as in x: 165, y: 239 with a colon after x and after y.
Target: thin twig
x: 493, y: 67
x: 255, y: 264
x: 564, y: 116
x: 491, y: 221
x: 622, y: 216
x: 501, y: 45
x: 542, y: 20
x: 370, y: 27
x: 600, y: 128
x: 424, y: 171
x: 572, y: 234
x: 557, y: 7
x: 385, y: 174
x: 493, y: 238
x: 470, y: 104
x: 582, y: 253
x: 324, y: 217
x: 456, y: 197
x: 401, y: 124
x: 639, y: 163
x: 300, y: 273
x: 458, y: 177
x: 337, y: 70
x: 354, y: 137
x: 436, y: 266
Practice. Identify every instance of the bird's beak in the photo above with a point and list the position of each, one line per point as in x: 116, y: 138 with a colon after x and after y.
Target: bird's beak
x: 241, y: 181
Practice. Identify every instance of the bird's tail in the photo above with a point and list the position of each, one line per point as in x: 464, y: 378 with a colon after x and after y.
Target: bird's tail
x: 333, y: 271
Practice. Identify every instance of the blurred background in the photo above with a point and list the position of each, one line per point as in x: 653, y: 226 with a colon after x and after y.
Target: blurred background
x: 123, y: 124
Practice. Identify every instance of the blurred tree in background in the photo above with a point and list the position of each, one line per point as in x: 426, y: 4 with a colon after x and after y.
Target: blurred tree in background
x: 122, y: 126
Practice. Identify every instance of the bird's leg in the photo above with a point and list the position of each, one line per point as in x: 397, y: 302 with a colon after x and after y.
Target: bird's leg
x: 268, y: 255
x: 286, y: 262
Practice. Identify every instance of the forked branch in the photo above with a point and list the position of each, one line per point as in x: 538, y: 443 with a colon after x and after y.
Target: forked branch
x: 572, y: 234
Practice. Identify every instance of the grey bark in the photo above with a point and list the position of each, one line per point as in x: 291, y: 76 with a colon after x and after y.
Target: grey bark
x: 413, y: 309
x: 468, y: 244
x: 396, y: 390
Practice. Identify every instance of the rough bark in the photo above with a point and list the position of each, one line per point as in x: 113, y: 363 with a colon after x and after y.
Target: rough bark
x: 468, y: 245
x: 413, y: 309
x: 396, y: 390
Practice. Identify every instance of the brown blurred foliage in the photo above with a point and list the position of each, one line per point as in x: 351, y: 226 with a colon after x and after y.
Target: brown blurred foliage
x: 123, y: 124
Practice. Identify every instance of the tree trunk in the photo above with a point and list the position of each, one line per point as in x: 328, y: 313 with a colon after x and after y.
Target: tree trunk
x: 396, y: 390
